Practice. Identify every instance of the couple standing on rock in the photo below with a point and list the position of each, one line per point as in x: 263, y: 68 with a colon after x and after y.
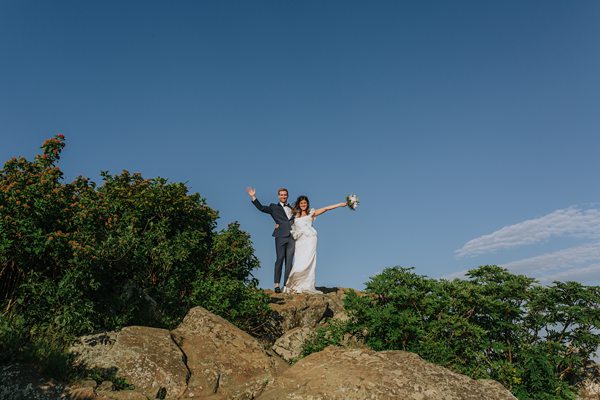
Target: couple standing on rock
x: 295, y: 240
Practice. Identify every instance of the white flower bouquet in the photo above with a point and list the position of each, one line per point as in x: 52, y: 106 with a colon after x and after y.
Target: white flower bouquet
x: 352, y: 201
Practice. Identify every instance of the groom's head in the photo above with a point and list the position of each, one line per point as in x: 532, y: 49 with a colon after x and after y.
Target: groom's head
x: 282, y: 193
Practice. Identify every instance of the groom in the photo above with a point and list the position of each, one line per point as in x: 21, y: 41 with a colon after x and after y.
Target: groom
x: 284, y: 242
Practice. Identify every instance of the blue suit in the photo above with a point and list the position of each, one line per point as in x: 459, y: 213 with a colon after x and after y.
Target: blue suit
x: 284, y: 242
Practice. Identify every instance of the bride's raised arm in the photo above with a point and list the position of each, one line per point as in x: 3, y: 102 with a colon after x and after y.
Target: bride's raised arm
x: 325, y: 209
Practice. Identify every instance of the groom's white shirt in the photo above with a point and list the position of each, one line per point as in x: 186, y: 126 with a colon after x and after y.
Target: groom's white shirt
x: 288, y: 211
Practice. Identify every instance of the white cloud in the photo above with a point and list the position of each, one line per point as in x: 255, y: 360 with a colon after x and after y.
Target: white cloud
x: 558, y: 260
x: 589, y: 275
x: 570, y: 222
x: 578, y: 263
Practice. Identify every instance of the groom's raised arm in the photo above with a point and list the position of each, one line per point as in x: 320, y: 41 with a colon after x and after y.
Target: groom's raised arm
x: 257, y: 204
x: 262, y: 208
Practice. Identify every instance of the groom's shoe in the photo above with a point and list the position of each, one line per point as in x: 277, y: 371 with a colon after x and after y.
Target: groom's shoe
x: 277, y: 290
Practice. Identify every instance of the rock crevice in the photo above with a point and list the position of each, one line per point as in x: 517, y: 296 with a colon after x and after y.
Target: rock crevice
x: 184, y: 360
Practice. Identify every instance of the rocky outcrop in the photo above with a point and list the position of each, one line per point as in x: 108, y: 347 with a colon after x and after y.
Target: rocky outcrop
x: 147, y: 358
x: 291, y: 344
x: 225, y: 362
x: 297, y: 316
x: 306, y: 310
x: 357, y: 374
x: 206, y: 357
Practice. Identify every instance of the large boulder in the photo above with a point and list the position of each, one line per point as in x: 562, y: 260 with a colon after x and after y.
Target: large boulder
x: 225, y: 362
x: 291, y: 344
x: 357, y: 374
x: 307, y: 310
x: 297, y: 317
x: 147, y: 358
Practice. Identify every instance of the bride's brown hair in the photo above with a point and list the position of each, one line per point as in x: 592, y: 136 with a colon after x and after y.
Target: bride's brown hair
x: 296, y: 210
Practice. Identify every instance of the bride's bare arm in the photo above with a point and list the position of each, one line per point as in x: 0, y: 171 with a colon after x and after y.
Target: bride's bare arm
x: 331, y: 207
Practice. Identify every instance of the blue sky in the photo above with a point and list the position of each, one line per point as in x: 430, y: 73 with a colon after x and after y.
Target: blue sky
x: 469, y: 129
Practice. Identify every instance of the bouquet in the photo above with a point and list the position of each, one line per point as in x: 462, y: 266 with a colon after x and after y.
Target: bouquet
x: 352, y: 201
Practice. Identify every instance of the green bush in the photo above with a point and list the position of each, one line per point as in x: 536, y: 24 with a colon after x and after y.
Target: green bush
x: 533, y: 339
x: 12, y: 337
x: 228, y: 289
x: 332, y: 334
x: 235, y: 301
x: 79, y: 257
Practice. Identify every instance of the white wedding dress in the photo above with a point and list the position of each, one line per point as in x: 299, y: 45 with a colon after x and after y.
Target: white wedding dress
x: 302, y: 276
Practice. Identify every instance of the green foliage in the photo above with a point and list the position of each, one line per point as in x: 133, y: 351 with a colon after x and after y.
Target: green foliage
x: 48, y: 349
x: 12, y: 337
x: 533, y: 339
x: 232, y: 255
x: 228, y: 289
x: 77, y: 258
x: 235, y: 301
x: 21, y: 342
x: 332, y: 334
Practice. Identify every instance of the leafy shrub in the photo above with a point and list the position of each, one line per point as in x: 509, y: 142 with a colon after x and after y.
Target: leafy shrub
x: 533, y: 339
x: 227, y: 287
x: 332, y: 334
x: 245, y: 305
x: 77, y: 258
x: 12, y: 337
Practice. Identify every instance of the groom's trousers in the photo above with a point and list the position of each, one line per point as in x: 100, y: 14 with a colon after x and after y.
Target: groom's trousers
x: 284, y: 250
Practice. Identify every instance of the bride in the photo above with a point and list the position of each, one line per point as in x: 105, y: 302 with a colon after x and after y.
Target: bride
x: 302, y: 276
